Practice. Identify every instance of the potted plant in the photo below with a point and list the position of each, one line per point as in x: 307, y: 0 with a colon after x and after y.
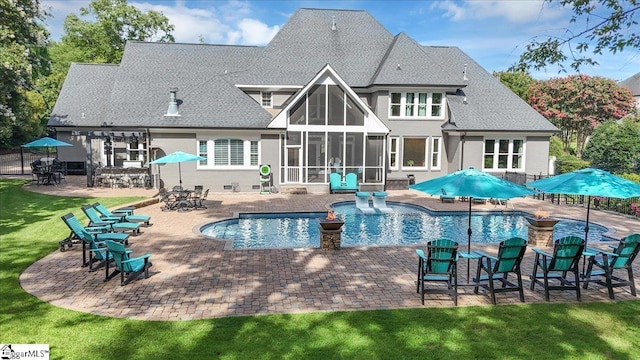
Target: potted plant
x: 542, y: 219
x: 331, y: 222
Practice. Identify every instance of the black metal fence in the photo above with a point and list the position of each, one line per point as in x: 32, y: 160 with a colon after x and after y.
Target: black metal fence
x: 18, y: 162
x: 630, y: 206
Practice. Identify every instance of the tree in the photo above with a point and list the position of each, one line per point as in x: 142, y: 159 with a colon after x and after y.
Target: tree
x: 518, y: 81
x: 578, y: 103
x: 615, y: 147
x: 98, y: 40
x: 23, y: 57
x: 116, y: 22
x: 609, y: 26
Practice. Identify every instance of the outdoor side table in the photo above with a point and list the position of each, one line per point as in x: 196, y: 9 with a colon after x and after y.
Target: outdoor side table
x: 469, y: 256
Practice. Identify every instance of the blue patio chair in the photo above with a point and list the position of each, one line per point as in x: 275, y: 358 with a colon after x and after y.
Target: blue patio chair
x: 498, y: 268
x: 565, y: 258
x: 620, y: 259
x: 98, y: 233
x: 97, y: 251
x: 115, y: 224
x: 126, y: 265
x: 438, y: 266
x: 123, y: 215
x: 446, y: 198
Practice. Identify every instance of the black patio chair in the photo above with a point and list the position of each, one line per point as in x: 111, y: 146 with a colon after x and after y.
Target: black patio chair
x: 566, y: 256
x: 621, y: 259
x: 438, y: 266
x: 498, y: 268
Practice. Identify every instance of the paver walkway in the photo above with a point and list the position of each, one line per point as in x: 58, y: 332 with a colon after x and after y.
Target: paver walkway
x: 194, y: 277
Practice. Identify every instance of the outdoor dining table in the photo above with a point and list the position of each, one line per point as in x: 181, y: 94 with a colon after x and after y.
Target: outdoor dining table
x: 182, y: 199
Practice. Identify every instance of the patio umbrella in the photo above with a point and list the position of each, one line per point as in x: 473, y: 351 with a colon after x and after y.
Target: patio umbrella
x: 472, y: 183
x: 46, y: 142
x: 588, y: 182
x: 177, y: 157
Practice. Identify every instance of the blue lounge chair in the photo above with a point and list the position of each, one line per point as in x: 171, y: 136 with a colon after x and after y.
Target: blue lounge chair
x: 126, y: 215
x: 438, y: 266
x: 99, y: 233
x: 498, y: 268
x: 362, y: 202
x: 609, y: 261
x: 446, y: 198
x: 114, y: 223
x: 380, y: 203
x: 126, y: 265
x: 566, y: 255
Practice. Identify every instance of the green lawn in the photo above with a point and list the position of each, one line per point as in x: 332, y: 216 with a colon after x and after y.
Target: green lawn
x: 30, y: 228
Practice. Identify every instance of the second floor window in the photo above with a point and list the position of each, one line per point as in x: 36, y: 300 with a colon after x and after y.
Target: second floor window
x: 267, y: 99
x: 416, y: 105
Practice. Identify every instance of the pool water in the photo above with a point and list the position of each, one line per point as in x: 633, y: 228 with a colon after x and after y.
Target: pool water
x: 407, y: 225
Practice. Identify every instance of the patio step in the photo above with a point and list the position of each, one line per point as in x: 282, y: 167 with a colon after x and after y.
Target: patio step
x: 294, y: 190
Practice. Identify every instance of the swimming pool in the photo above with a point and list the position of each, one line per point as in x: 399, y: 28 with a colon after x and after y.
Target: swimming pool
x: 407, y: 225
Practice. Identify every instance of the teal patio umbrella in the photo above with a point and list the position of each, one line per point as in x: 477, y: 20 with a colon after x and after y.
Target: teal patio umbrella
x: 588, y: 182
x: 46, y: 142
x: 472, y: 183
x: 177, y: 157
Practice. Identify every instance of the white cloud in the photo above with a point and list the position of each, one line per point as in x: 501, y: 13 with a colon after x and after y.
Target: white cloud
x: 255, y: 32
x: 216, y: 22
x: 523, y: 11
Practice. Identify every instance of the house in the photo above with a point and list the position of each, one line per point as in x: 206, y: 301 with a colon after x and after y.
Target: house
x: 333, y: 91
x: 633, y: 83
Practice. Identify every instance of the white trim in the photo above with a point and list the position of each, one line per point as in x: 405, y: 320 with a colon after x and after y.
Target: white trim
x: 397, y: 152
x: 438, y: 166
x: 372, y: 123
x: 246, y: 155
x: 509, y: 153
x: 416, y: 105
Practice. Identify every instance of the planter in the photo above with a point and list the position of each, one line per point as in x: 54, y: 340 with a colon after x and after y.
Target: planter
x: 542, y: 223
x: 331, y: 224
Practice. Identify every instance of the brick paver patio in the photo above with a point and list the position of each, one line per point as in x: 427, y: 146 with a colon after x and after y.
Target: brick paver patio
x: 194, y: 277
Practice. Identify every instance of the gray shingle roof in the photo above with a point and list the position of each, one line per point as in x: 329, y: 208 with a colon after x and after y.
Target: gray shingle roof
x: 632, y: 83
x: 360, y: 50
x: 147, y: 71
x: 139, y: 89
x: 490, y: 106
x: 406, y: 63
x: 84, y: 95
x: 306, y: 43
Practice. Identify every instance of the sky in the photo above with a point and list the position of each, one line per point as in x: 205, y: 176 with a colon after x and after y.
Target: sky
x: 493, y: 32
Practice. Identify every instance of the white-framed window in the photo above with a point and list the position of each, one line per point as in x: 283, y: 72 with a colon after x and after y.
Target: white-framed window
x: 414, y: 152
x: 421, y: 153
x: 436, y: 158
x: 416, y: 105
x: 266, y: 99
x: 393, y: 153
x: 229, y: 153
x: 136, y: 149
x: 504, y: 154
x: 255, y: 153
x: 203, y: 151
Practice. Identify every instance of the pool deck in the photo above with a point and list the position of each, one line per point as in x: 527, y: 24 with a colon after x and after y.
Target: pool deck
x: 194, y: 277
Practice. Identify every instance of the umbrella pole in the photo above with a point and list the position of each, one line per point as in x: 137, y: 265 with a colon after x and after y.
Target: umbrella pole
x: 469, y: 232
x: 180, y: 174
x: 586, y: 233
